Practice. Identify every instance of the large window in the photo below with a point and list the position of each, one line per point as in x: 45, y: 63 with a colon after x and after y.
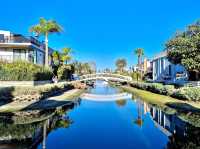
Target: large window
x: 19, y: 54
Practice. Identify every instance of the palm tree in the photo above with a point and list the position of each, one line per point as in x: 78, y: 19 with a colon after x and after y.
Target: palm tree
x: 139, y: 52
x: 66, y: 55
x: 45, y: 27
x: 56, y: 57
x: 121, y: 64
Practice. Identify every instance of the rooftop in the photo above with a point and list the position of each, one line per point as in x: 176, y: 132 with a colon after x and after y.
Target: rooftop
x: 160, y: 55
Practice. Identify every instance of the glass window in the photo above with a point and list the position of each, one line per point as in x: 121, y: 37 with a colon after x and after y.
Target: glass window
x: 19, y: 54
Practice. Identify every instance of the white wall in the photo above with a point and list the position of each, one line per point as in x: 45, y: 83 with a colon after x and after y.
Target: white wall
x: 6, y: 54
x: 6, y: 33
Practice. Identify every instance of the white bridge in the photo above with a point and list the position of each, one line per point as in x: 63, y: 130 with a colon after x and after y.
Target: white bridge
x: 109, y: 97
x: 106, y: 77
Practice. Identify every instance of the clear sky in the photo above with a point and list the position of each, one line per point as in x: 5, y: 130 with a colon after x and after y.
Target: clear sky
x: 104, y: 30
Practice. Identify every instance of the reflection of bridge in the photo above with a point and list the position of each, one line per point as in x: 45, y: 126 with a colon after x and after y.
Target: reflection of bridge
x: 106, y: 77
x: 110, y: 97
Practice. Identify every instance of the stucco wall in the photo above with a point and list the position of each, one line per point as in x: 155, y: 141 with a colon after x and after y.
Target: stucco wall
x: 6, y: 54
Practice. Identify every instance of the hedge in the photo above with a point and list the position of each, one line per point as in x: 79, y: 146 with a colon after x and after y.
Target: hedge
x: 189, y: 93
x: 184, y: 93
x: 23, y: 71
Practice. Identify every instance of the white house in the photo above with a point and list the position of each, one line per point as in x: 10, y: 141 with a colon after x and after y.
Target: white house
x: 166, y: 72
x: 18, y: 47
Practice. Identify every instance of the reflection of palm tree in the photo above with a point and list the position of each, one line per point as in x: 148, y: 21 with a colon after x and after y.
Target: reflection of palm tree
x: 121, y: 102
x: 63, y: 123
x: 44, y: 135
x: 139, y: 121
x: 133, y: 97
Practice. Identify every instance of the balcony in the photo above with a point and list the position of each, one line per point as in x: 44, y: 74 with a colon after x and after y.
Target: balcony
x: 19, y: 39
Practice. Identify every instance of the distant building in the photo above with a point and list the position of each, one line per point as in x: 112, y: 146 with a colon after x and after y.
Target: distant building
x: 164, y: 71
x: 18, y: 47
x: 146, y: 66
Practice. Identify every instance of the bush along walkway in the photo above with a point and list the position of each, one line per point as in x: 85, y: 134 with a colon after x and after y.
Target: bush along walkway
x: 18, y: 98
x: 183, y: 93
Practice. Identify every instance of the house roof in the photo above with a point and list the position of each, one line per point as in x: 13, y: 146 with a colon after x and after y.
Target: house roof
x: 160, y: 55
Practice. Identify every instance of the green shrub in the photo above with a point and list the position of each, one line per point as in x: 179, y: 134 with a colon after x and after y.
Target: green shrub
x: 192, y: 93
x: 187, y: 93
x: 65, y: 72
x: 23, y: 71
x: 169, y: 89
x: 154, y: 87
x: 180, y: 94
x: 136, y: 75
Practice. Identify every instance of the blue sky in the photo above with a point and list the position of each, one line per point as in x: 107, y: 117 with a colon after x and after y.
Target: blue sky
x: 104, y: 30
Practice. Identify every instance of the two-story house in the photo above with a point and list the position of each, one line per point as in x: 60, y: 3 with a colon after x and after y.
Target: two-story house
x: 166, y: 72
x: 18, y: 47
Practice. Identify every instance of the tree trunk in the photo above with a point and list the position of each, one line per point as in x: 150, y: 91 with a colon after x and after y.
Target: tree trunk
x: 46, y: 50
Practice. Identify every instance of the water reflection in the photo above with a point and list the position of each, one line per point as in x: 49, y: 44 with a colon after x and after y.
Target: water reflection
x: 182, y: 134
x: 130, y: 123
x: 121, y: 102
x: 27, y: 129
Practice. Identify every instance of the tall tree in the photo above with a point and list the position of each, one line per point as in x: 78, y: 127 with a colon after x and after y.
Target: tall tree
x: 46, y: 27
x: 65, y: 56
x: 184, y: 49
x: 139, y: 52
x: 121, y: 64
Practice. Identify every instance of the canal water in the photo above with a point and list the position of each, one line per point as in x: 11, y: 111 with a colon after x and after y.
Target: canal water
x: 119, y: 124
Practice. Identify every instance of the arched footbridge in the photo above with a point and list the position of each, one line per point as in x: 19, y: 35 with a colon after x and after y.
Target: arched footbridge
x: 109, y: 97
x: 106, y: 77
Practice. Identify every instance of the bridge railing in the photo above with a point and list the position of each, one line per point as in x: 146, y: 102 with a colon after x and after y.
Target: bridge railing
x: 106, y: 75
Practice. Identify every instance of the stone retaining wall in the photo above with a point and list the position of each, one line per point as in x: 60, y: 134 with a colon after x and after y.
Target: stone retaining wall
x: 23, y: 83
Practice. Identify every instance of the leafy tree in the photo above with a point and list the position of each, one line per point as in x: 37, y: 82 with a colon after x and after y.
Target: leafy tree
x: 45, y: 27
x: 184, y: 49
x: 83, y: 68
x: 121, y: 64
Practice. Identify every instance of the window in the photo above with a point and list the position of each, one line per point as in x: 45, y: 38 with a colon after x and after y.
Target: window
x: 19, y: 54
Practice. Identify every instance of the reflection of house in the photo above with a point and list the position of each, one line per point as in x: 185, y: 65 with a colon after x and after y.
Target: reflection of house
x: 164, y: 71
x: 18, y: 47
x: 168, y: 124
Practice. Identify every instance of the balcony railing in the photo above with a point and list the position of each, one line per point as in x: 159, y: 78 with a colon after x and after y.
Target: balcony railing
x: 21, y: 39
